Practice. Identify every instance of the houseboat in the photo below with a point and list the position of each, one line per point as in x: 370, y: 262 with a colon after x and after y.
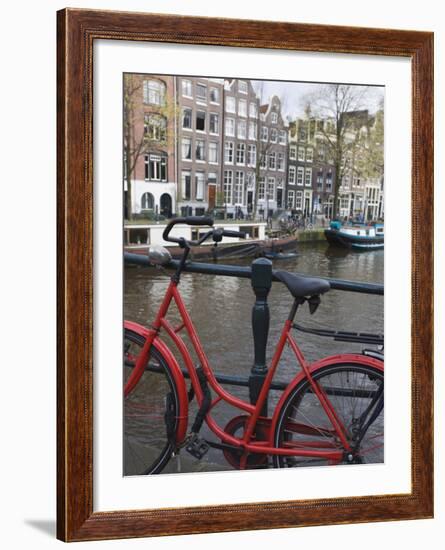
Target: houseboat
x: 138, y: 238
x: 356, y: 236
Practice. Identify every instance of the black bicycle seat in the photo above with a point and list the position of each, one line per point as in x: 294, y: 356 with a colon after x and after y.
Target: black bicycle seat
x: 300, y: 286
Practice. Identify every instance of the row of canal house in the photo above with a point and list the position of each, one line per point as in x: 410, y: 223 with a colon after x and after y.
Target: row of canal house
x: 209, y: 142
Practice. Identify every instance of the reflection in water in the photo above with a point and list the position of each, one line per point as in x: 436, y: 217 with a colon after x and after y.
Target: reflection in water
x: 221, y: 311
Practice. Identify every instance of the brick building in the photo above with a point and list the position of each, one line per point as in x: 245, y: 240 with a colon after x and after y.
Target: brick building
x: 199, y: 143
x: 150, y: 144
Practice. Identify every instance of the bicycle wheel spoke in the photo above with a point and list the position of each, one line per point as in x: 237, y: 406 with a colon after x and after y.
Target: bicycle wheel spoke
x: 352, y: 391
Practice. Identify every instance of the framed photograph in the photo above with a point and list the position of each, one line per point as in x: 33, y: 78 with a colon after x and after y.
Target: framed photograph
x: 245, y: 214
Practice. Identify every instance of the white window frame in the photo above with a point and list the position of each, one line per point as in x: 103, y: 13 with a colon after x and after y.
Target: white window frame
x: 242, y: 107
x: 300, y: 175
x: 253, y: 110
x: 301, y: 155
x: 197, y: 143
x: 214, y: 116
x: 239, y: 188
x: 228, y: 186
x: 201, y: 99
x: 271, y: 185
x: 213, y: 148
x: 217, y: 90
x: 251, y: 155
x: 264, y: 133
x: 230, y: 100
x: 293, y: 152
x: 272, y: 160
x: 199, y: 186
x: 261, y: 188
x: 241, y: 154
x: 281, y: 163
x: 273, y: 135
x: 290, y: 199
x: 229, y: 122
x: 228, y: 152
x: 308, y: 181
x: 185, y: 83
x: 190, y: 145
x: 241, y: 129
x: 243, y: 87
x: 274, y: 117
x: 292, y: 174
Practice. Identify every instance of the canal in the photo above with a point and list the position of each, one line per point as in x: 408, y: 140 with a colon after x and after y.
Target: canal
x: 221, y: 311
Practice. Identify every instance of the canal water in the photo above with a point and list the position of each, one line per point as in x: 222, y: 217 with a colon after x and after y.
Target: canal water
x: 221, y: 310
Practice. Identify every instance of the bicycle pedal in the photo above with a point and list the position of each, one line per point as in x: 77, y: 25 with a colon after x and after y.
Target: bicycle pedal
x: 197, y: 447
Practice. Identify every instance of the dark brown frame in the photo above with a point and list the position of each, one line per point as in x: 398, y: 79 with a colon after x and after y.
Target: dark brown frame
x: 77, y: 30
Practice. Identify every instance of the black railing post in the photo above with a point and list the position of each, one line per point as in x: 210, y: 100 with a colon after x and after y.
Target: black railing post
x: 261, y: 283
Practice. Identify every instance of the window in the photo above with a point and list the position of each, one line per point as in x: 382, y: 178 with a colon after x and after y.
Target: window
x: 201, y: 92
x: 213, y: 151
x: 329, y: 181
x: 154, y: 92
x: 250, y: 180
x: 251, y: 155
x: 239, y: 188
x: 252, y: 130
x: 321, y: 153
x: 230, y: 104
x: 263, y: 161
x: 228, y: 152
x: 292, y: 173
x: 186, y: 149
x: 308, y: 177
x: 309, y: 154
x: 228, y: 183
x: 253, y: 112
x: 200, y: 149
x: 242, y: 129
x: 200, y: 121
x: 280, y: 183
x: 241, y: 153
x: 156, y: 167
x: 280, y: 164
x: 212, y: 177
x: 147, y: 201
x: 187, y: 88
x: 299, y: 200
x: 261, y: 188
x: 272, y: 161
x: 300, y: 175
x: 213, y: 123
x: 320, y: 180
x: 273, y: 135
x: 214, y: 95
x: 271, y: 188
x: 264, y: 133
x: 155, y: 127
x: 185, y: 185
x: 293, y: 152
x: 242, y: 87
x: 242, y: 107
x: 274, y: 117
x: 187, y: 118
x: 283, y: 140
x: 230, y: 126
x: 199, y: 186
x: 301, y: 154
x: 290, y: 199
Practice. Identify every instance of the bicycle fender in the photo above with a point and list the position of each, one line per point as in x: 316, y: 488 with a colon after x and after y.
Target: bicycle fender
x: 176, y: 372
x: 354, y: 358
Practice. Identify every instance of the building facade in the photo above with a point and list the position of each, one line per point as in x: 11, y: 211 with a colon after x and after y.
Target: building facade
x: 272, y: 158
x: 241, y: 112
x: 199, y: 143
x: 149, y: 144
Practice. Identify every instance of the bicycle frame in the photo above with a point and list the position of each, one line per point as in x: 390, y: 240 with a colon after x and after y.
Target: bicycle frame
x: 246, y: 443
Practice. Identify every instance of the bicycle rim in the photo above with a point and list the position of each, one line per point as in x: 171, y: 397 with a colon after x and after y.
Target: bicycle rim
x: 353, y: 392
x: 150, y: 412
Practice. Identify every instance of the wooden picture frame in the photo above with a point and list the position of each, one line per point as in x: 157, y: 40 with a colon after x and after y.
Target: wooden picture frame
x: 77, y: 31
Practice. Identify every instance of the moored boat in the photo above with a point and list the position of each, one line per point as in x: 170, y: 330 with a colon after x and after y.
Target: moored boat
x: 356, y: 236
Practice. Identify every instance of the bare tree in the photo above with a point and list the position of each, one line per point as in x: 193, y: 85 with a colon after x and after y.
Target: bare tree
x: 338, y: 111
x: 133, y: 144
x: 144, y: 132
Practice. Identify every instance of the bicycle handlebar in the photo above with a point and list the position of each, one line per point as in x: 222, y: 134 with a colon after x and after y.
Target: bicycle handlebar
x: 217, y: 234
x: 188, y: 220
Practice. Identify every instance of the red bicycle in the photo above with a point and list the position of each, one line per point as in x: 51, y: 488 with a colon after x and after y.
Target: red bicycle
x: 330, y: 413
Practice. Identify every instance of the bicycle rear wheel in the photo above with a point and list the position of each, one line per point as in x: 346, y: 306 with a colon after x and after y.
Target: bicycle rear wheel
x: 356, y: 394
x: 150, y: 411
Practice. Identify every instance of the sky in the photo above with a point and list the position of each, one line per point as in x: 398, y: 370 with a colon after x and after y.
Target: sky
x: 293, y: 94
